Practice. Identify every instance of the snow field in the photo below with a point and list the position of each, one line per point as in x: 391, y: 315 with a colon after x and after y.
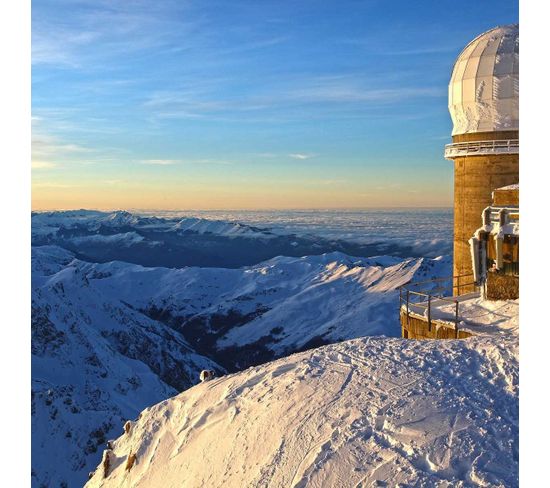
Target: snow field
x: 366, y: 412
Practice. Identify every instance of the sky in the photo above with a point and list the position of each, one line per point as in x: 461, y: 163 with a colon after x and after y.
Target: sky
x: 182, y: 105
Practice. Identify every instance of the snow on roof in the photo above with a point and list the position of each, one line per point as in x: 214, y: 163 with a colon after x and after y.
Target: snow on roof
x: 484, y: 86
x: 494, y: 228
x: 509, y: 187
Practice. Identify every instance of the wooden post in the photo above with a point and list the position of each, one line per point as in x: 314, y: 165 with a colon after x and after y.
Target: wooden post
x: 429, y: 313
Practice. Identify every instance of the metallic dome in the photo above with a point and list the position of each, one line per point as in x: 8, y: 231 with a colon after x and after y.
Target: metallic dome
x: 484, y: 86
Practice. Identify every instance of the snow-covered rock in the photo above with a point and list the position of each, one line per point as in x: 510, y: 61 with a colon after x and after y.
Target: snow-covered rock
x: 362, y: 413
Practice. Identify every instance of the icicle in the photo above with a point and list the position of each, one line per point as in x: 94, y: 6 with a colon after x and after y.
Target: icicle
x: 484, y: 262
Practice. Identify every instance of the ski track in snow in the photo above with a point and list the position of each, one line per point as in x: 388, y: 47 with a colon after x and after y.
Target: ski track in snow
x: 366, y: 412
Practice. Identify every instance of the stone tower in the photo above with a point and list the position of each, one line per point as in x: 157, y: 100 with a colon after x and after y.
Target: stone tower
x: 484, y: 107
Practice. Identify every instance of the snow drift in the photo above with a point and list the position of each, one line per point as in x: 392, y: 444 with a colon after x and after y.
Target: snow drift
x: 367, y: 412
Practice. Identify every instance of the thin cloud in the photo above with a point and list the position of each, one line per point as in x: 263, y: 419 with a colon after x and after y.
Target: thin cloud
x: 301, y: 156
x: 58, y: 46
x: 266, y: 155
x: 288, y: 96
x: 373, y: 47
x: 160, y: 162
x: 349, y: 92
x: 102, y: 30
x: 44, y: 145
x: 422, y: 51
x: 53, y: 185
x: 170, y: 162
x: 42, y: 165
x: 388, y: 187
x: 327, y: 182
x: 211, y: 161
x: 260, y: 44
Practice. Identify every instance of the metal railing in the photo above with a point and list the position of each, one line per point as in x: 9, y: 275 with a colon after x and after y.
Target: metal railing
x: 502, y: 215
x: 421, y: 302
x: 478, y: 148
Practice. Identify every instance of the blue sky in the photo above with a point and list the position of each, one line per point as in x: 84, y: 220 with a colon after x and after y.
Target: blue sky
x: 287, y: 104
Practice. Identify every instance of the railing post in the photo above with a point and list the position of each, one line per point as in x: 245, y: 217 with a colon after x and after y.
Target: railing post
x: 458, y: 285
x: 456, y: 319
x: 430, y: 312
x: 408, y: 321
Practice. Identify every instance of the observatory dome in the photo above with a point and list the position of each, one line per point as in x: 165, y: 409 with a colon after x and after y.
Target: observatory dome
x: 484, y: 86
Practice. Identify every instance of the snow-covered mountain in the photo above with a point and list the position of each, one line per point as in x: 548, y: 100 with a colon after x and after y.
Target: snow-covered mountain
x: 111, y: 338
x: 362, y: 413
x: 118, y: 324
x: 53, y: 224
x: 252, y: 314
x: 176, y: 242
x: 95, y: 362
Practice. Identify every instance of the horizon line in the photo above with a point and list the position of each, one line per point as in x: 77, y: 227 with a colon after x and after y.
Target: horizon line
x: 248, y: 209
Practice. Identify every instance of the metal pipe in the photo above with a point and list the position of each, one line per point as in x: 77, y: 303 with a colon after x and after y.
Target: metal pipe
x: 474, y: 252
x: 499, y: 245
x: 502, y: 220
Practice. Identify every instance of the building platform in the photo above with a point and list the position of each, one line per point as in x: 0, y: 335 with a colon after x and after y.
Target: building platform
x: 430, y: 315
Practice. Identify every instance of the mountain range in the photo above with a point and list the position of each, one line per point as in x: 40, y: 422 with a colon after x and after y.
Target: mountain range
x: 111, y: 338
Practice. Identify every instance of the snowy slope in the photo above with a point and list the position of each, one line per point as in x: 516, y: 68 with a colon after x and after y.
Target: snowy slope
x: 222, y: 228
x: 245, y: 316
x: 367, y: 412
x: 95, y: 362
x: 344, y: 297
